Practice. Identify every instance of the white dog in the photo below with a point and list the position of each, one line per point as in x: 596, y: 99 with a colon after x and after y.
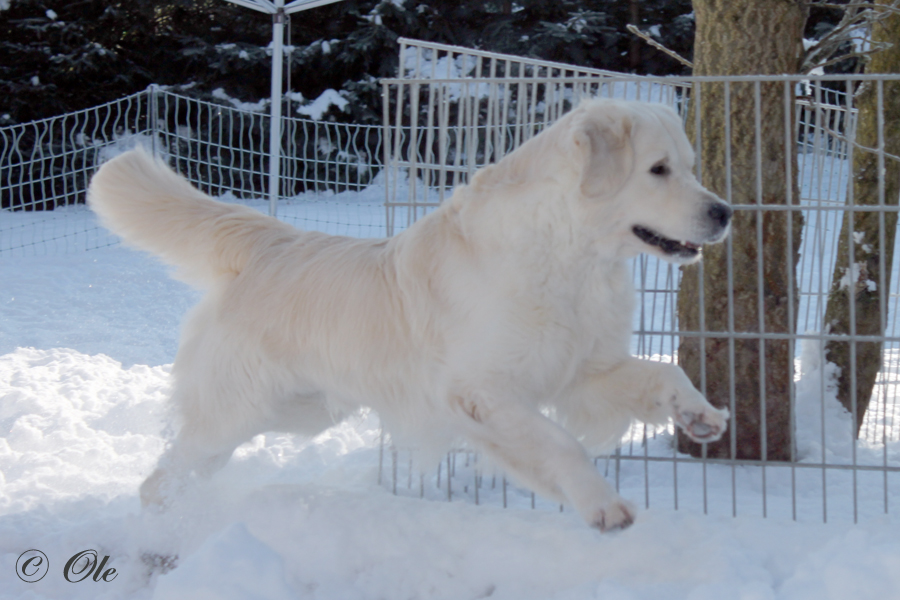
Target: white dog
x: 511, y: 301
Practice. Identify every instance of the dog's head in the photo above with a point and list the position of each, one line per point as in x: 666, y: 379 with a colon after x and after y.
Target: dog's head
x: 634, y: 171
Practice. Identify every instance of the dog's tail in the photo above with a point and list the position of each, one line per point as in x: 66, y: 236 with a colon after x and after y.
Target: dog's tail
x: 153, y: 208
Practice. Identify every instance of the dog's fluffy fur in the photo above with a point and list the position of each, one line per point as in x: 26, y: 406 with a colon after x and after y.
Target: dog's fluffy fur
x: 510, y: 302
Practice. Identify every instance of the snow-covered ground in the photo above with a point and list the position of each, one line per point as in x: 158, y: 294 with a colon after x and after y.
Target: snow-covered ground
x: 86, y: 340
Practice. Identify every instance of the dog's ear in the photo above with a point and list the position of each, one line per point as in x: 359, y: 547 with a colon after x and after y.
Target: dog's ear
x: 602, y: 137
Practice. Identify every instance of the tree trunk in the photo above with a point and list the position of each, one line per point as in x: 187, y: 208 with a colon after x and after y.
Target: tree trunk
x: 635, y: 43
x: 739, y: 37
x: 870, y: 284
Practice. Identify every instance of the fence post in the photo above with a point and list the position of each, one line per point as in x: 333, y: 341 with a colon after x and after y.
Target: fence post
x: 154, y: 117
x: 278, y: 20
x: 389, y: 169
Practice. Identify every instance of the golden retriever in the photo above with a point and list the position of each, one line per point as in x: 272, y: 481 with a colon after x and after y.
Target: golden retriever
x: 510, y: 302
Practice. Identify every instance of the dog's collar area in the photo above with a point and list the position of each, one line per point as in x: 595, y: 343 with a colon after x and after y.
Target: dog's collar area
x: 668, y: 246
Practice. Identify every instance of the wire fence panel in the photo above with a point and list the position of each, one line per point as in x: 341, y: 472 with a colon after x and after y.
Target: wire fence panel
x: 452, y: 110
x: 45, y: 166
x: 473, y: 107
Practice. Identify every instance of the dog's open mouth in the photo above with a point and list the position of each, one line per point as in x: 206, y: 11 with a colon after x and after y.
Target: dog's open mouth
x: 670, y: 247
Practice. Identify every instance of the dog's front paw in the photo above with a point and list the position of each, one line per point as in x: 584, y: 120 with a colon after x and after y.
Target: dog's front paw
x: 704, y: 425
x: 616, y: 515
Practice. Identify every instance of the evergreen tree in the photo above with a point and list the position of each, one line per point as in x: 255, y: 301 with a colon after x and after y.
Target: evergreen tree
x: 62, y: 55
x: 57, y: 56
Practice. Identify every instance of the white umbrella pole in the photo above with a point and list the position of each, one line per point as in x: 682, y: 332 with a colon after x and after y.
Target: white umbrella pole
x: 277, y: 9
x: 275, y: 126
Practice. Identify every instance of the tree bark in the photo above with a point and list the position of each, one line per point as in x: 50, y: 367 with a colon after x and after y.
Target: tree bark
x: 634, y: 46
x: 739, y: 37
x: 873, y: 235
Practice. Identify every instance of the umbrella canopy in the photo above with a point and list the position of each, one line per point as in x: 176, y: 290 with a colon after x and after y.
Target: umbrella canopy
x: 272, y: 8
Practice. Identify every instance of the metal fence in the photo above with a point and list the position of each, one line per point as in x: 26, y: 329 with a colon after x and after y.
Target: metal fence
x: 452, y: 110
x: 46, y: 165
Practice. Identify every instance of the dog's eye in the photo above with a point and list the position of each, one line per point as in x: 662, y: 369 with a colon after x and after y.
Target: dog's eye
x: 659, y: 169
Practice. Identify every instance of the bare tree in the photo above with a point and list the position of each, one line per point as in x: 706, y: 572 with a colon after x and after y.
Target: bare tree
x: 760, y: 37
x: 634, y: 48
x: 867, y: 234
x: 740, y: 37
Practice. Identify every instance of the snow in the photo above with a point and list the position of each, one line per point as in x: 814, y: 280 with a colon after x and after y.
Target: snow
x: 318, y: 107
x: 419, y: 63
x: 860, y: 38
x: 258, y: 106
x: 86, y: 343
x: 857, y: 274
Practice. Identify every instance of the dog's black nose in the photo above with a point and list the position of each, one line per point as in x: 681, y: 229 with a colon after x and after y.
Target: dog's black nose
x: 720, y: 213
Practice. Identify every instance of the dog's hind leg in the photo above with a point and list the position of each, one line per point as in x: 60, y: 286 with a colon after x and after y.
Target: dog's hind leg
x: 541, y: 455
x: 197, y: 452
x: 185, y: 458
